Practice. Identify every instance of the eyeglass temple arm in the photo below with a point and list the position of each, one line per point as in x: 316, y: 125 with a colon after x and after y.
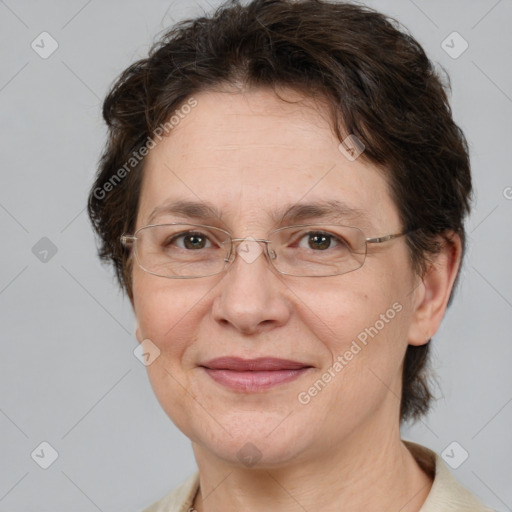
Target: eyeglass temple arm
x: 127, y: 240
x: 381, y: 239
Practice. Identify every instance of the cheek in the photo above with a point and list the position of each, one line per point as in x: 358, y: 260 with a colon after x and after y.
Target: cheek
x: 343, y: 310
x: 364, y: 329
x: 168, y: 314
x: 364, y: 369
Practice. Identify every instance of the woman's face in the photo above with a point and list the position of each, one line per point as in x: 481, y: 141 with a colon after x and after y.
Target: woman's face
x: 251, y: 155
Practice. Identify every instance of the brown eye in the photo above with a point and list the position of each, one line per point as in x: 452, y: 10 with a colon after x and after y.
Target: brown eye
x: 190, y: 241
x: 319, y: 241
x: 194, y: 241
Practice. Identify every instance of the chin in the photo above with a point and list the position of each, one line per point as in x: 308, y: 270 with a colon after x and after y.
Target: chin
x: 255, y: 440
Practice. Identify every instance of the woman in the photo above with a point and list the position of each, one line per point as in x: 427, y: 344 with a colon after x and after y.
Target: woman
x: 282, y: 196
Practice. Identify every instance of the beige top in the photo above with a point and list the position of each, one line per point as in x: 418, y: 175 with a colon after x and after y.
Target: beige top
x: 446, y: 494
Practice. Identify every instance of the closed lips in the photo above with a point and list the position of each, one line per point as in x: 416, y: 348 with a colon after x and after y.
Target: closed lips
x: 253, y: 365
x: 253, y: 375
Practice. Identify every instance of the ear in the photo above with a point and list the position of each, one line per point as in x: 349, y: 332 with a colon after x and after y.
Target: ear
x: 138, y: 334
x: 433, y: 293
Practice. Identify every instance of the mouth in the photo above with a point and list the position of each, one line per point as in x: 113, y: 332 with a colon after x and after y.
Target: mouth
x: 253, y: 375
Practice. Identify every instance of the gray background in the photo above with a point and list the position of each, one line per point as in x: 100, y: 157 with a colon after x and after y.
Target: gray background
x: 68, y: 375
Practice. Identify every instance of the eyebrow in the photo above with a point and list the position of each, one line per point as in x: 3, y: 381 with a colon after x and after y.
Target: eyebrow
x: 189, y: 209
x: 332, y: 210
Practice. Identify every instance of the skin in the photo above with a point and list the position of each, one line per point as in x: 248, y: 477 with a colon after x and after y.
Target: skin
x: 249, y: 153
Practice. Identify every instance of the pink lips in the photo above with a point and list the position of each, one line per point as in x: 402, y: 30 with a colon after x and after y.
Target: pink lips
x: 251, y: 375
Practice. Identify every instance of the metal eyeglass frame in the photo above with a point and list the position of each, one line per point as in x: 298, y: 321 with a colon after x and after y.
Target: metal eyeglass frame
x: 127, y: 240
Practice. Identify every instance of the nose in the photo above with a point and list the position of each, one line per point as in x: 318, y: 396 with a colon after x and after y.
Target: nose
x: 252, y: 296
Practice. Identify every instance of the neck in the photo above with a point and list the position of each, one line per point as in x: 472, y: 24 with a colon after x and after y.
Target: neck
x: 359, y: 476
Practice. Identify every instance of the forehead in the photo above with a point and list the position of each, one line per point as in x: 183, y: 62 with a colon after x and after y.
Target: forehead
x: 252, y: 155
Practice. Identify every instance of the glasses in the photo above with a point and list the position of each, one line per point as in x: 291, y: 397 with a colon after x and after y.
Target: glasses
x: 186, y: 251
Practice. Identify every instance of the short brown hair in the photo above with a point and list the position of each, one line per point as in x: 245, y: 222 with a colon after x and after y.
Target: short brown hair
x: 377, y: 81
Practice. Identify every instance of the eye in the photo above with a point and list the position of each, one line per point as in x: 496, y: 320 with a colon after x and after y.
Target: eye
x: 190, y: 241
x: 321, y: 241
